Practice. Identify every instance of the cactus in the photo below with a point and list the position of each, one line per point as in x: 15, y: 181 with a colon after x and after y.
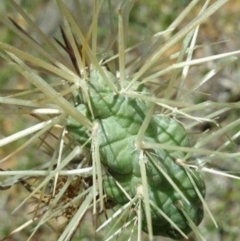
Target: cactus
x: 119, y: 119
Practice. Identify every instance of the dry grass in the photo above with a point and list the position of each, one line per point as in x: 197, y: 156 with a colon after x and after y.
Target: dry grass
x: 222, y: 88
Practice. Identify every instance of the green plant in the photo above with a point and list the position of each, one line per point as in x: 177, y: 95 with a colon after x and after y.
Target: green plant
x: 117, y: 122
x: 117, y: 147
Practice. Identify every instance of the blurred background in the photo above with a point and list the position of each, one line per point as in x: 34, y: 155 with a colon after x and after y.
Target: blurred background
x: 219, y: 34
